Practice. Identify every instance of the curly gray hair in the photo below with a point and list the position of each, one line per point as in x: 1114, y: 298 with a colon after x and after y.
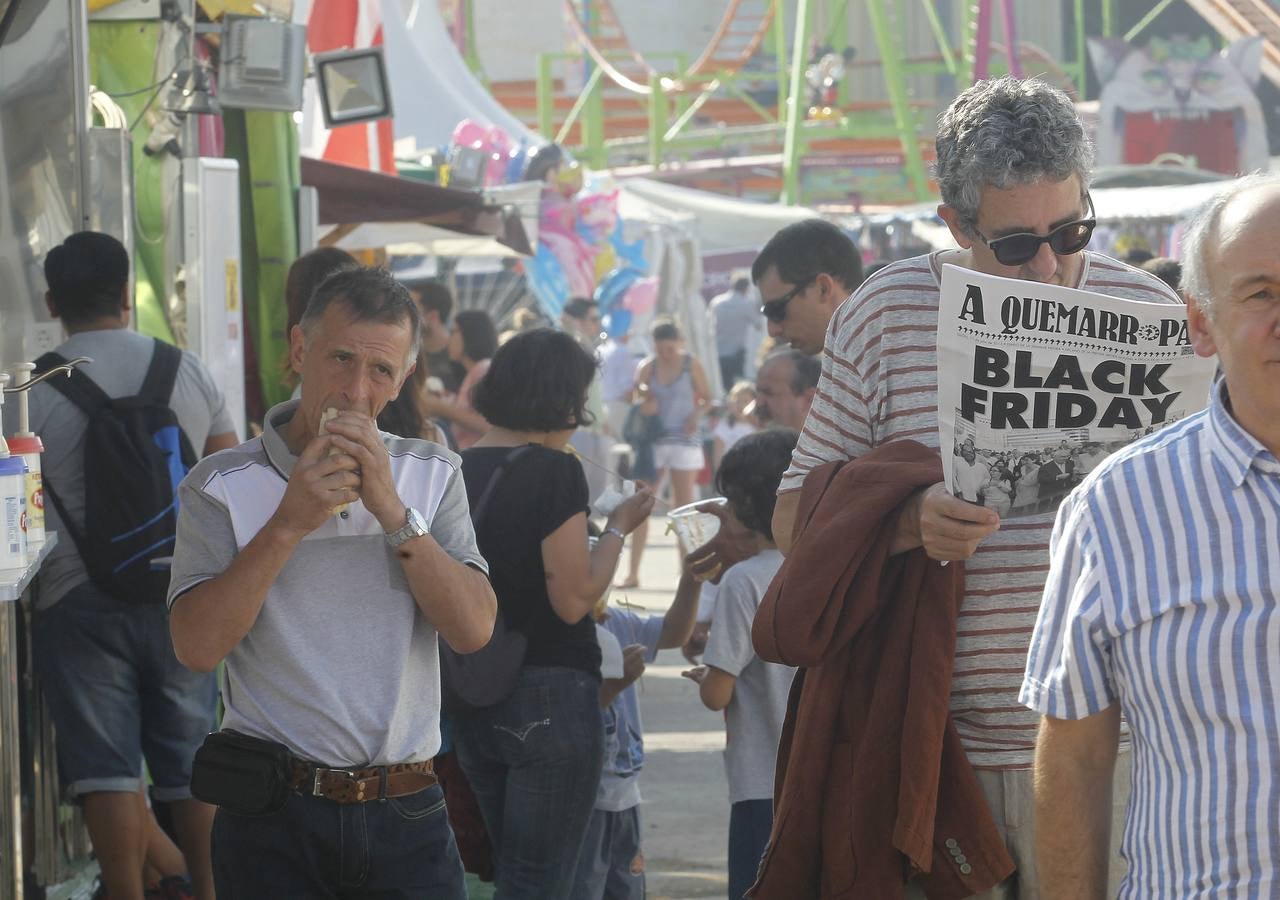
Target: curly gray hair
x: 1004, y: 132
x: 1202, y: 233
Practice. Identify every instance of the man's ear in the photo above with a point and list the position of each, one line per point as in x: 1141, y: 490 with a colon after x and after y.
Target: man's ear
x: 1200, y: 329
x: 833, y: 293
x: 297, y: 347
x: 51, y: 305
x: 126, y: 300
x: 413, y: 366
x: 955, y: 225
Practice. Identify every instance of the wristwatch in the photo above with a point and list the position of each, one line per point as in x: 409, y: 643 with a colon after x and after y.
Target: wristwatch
x: 414, y: 526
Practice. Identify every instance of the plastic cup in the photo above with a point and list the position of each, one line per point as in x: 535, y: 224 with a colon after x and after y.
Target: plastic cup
x: 692, y: 526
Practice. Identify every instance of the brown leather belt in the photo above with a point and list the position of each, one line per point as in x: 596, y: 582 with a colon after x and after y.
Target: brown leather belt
x: 359, y: 785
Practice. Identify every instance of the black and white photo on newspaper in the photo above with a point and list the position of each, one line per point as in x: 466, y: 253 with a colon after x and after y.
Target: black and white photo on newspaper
x: 1037, y: 384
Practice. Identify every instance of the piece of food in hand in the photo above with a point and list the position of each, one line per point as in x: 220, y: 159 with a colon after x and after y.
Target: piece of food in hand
x: 332, y: 413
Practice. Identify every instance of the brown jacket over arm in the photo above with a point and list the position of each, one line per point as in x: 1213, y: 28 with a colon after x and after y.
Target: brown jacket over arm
x: 872, y: 784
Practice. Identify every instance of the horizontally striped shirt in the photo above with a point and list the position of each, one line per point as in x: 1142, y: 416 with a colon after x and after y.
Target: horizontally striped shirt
x: 880, y: 384
x: 1163, y: 594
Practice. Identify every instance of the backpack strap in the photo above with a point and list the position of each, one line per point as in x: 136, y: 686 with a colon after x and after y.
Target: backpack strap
x: 157, y: 387
x: 77, y: 387
x: 477, y: 513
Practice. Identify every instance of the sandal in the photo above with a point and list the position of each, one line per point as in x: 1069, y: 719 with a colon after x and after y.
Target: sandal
x: 630, y: 583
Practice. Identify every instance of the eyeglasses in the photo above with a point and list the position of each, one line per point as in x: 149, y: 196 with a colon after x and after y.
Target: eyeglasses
x: 775, y: 310
x: 1016, y: 249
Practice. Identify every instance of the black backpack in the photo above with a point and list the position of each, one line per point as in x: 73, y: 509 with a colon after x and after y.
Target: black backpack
x: 135, y: 454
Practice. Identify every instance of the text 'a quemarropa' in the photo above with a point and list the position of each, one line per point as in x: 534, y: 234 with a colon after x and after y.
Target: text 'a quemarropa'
x: 1045, y: 316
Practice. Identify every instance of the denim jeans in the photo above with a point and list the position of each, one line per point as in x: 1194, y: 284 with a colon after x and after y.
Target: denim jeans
x: 117, y: 694
x: 534, y: 763
x: 750, y: 822
x: 611, y: 864
x: 315, y: 849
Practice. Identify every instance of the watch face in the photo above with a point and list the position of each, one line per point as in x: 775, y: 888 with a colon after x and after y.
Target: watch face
x: 417, y: 521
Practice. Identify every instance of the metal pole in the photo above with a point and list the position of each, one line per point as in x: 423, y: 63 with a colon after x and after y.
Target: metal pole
x: 1108, y: 18
x: 941, y: 36
x: 779, y: 27
x: 967, y: 33
x: 1011, y: 37
x: 546, y: 95
x: 904, y: 118
x: 1081, y: 77
x: 657, y: 119
x: 593, y: 122
x: 472, y: 55
x: 796, y: 105
x: 982, y: 42
x: 1147, y: 19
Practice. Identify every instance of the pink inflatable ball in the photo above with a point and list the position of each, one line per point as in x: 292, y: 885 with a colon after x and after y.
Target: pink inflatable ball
x: 498, y: 145
x: 469, y: 133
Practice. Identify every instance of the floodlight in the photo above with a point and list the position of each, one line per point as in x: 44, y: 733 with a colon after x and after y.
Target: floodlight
x: 466, y: 167
x: 262, y: 64
x: 353, y: 85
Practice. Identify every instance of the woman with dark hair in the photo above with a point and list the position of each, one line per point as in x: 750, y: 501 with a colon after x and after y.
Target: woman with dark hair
x: 534, y: 758
x: 406, y: 414
x: 752, y: 692
x: 305, y: 275
x: 472, y: 343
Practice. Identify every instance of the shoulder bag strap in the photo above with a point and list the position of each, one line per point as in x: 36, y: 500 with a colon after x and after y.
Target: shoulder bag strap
x: 478, y: 511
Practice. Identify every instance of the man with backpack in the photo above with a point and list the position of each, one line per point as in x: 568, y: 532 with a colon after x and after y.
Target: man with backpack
x: 118, y: 436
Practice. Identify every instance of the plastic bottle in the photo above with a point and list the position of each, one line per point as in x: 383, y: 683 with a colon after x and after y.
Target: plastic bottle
x: 29, y: 447
x: 13, y: 513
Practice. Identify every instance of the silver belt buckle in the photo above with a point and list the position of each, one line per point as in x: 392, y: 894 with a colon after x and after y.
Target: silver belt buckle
x: 315, y: 780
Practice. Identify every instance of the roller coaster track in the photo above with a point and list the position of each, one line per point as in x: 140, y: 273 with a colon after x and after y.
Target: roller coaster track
x: 1245, y: 18
x: 736, y: 24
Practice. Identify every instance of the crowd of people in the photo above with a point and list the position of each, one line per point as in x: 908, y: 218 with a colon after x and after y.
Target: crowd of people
x: 1025, y: 480
x: 403, y: 582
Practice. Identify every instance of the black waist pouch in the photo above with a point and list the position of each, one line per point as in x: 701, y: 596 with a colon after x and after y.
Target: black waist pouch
x: 244, y: 775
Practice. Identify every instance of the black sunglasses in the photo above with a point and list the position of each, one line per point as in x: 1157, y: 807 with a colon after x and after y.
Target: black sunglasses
x: 775, y: 310
x: 1016, y: 249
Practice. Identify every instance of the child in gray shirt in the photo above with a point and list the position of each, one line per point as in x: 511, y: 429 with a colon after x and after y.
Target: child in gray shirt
x: 752, y: 692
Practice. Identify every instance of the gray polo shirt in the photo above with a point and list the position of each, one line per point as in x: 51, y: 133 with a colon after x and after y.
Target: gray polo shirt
x: 341, y: 666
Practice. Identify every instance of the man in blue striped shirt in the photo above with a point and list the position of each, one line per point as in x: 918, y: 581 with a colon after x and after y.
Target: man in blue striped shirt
x: 1163, y: 602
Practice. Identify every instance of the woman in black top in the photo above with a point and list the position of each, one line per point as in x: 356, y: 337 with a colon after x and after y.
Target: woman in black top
x: 534, y: 759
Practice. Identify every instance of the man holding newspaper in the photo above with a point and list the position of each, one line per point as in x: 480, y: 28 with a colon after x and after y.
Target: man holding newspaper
x: 1013, y: 167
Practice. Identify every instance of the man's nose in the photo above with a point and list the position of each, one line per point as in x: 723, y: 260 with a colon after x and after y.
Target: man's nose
x: 358, y: 385
x: 1044, y: 264
x: 775, y: 328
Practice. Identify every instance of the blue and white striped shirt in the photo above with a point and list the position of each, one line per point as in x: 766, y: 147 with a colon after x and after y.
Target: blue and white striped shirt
x: 1164, y: 594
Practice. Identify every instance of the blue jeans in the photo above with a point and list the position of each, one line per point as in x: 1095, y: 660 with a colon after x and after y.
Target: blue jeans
x: 315, y: 849
x: 750, y: 822
x: 117, y: 693
x: 534, y: 763
x: 610, y: 864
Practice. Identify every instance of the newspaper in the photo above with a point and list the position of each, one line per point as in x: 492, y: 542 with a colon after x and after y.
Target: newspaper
x: 1037, y: 384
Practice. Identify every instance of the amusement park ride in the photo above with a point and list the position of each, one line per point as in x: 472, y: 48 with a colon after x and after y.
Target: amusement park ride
x: 746, y: 93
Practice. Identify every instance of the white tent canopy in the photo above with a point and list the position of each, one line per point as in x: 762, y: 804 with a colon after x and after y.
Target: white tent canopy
x: 722, y: 223
x: 432, y: 89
